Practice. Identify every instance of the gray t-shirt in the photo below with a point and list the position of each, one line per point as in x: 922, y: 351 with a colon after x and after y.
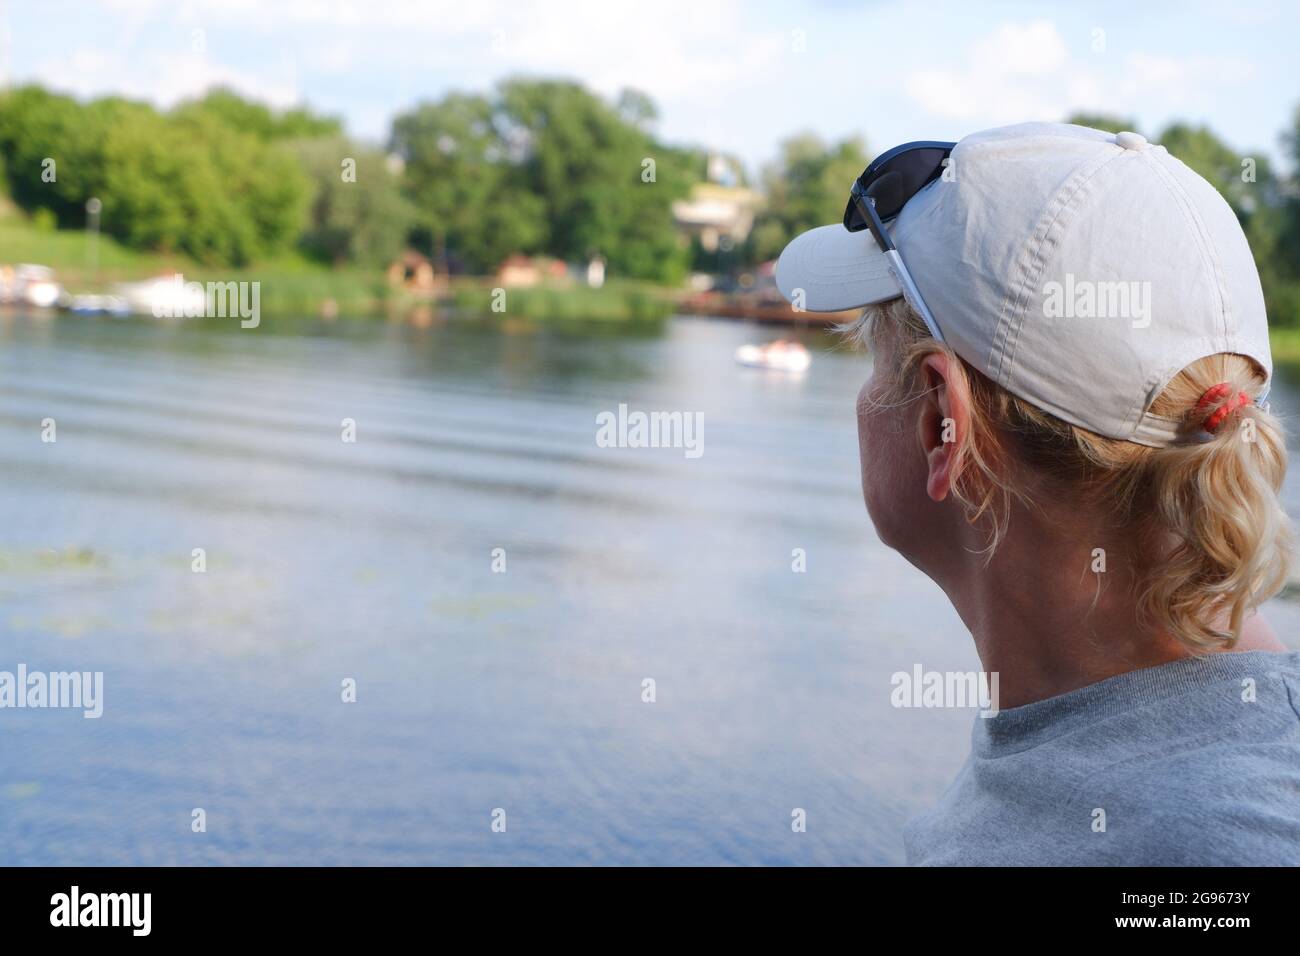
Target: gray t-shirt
x: 1194, y: 763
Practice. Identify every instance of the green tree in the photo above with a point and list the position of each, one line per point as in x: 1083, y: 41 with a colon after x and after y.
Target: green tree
x: 260, y: 120
x: 1287, y: 258
x: 357, y: 211
x: 52, y: 148
x: 1104, y: 121
x: 636, y: 109
x: 195, y: 185
x: 545, y: 166
x: 470, y: 201
x: 607, y: 187
x: 807, y: 186
x: 186, y: 181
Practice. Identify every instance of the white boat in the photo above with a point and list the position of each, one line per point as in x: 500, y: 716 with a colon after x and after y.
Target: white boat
x: 783, y: 355
x: 113, y: 305
x: 163, y: 296
x: 30, y: 285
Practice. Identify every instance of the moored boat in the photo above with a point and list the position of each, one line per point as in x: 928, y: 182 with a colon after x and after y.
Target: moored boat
x: 782, y: 354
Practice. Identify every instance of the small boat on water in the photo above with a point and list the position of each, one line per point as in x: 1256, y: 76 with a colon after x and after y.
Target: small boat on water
x: 783, y: 355
x: 113, y: 305
x: 28, y: 284
x: 167, y: 295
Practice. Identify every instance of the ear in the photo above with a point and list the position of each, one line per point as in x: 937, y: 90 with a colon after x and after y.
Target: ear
x: 943, y: 422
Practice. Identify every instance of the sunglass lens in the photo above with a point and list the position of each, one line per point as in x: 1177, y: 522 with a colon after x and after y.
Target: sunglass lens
x: 896, y: 181
x: 903, y: 177
x: 854, y: 221
x: 890, y: 191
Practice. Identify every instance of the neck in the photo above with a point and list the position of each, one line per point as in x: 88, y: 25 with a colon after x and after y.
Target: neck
x: 1047, y: 619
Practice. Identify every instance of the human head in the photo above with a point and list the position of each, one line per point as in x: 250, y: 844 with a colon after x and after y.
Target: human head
x: 1199, y: 522
x: 1070, y: 324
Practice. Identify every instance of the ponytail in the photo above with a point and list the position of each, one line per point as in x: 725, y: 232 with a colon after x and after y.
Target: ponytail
x: 1218, y: 499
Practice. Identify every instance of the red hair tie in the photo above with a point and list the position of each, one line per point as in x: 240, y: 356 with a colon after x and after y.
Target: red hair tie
x: 1214, y: 394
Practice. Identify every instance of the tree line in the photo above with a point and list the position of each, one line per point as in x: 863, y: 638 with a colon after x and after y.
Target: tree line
x: 534, y: 166
x: 806, y: 187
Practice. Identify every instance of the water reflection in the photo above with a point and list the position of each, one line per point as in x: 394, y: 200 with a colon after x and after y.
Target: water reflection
x: 373, y: 561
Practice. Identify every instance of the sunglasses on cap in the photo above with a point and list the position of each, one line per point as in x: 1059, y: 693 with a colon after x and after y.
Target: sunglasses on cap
x: 879, y: 195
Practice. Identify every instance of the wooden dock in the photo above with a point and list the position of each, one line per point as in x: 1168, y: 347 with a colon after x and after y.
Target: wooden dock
x: 755, y: 309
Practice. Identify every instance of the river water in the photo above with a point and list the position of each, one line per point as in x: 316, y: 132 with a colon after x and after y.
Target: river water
x: 482, y: 694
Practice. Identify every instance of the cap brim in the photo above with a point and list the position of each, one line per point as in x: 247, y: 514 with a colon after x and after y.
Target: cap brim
x: 829, y: 269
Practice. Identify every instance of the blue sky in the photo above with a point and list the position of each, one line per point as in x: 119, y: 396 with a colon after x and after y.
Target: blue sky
x: 737, y: 76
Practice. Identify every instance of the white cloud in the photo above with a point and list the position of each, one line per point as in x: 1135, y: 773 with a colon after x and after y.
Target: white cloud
x: 1010, y: 75
x: 1174, y: 82
x: 722, y: 72
x: 672, y: 49
x: 1020, y: 49
x: 1026, y: 72
x: 164, y: 79
x: 1146, y: 70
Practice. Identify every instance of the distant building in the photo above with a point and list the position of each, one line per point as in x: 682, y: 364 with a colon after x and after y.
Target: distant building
x: 717, y: 211
x: 415, y: 273
x: 520, y: 271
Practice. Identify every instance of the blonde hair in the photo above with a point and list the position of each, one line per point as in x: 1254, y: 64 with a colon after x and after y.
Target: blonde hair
x: 1204, y: 515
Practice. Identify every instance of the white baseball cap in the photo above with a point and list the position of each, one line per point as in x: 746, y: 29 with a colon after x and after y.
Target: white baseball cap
x: 1078, y: 269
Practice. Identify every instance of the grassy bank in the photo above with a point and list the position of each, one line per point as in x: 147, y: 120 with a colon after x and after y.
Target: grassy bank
x: 618, y: 301
x: 294, y: 285
x: 69, y: 254
x: 289, y: 285
x: 289, y: 288
x: 1286, y: 347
